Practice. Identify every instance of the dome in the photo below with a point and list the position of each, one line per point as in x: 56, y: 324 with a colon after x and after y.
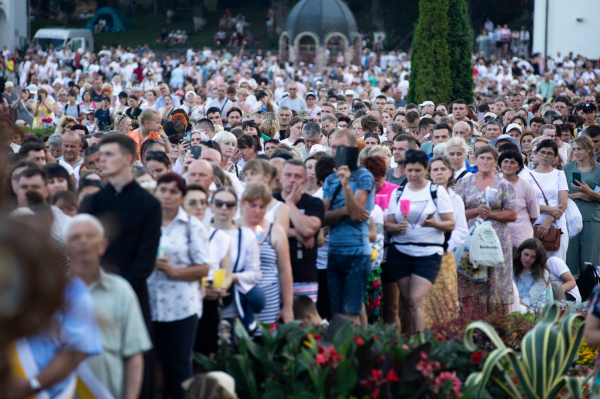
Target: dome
x: 321, y: 17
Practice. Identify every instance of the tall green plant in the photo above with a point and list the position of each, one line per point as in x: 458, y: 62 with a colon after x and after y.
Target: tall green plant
x: 548, y: 352
x: 459, y: 48
x: 430, y: 61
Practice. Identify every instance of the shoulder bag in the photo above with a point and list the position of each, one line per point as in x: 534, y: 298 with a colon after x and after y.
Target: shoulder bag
x: 551, y: 240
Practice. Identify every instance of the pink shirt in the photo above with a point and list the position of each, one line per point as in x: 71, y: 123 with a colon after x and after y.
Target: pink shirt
x: 382, y: 197
x: 527, y: 208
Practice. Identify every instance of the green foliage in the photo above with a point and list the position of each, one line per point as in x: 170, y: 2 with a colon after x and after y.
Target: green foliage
x: 548, y: 353
x: 459, y: 49
x: 430, y: 61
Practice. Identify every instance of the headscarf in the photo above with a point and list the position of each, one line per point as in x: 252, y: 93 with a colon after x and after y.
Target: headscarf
x: 187, y: 104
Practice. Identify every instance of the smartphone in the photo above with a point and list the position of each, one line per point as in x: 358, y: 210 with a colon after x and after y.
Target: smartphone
x: 576, y: 177
x: 188, y: 136
x: 480, y: 116
x: 196, y: 152
x: 431, y: 215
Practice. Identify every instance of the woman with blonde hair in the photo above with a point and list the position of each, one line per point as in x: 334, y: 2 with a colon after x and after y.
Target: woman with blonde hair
x: 243, y: 94
x: 65, y: 124
x: 583, y: 175
x: 456, y: 150
x: 275, y: 266
x: 269, y: 127
x: 228, y: 144
x: 259, y: 170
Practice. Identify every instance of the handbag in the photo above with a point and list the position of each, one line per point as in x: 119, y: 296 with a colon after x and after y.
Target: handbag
x: 551, y: 240
x: 587, y: 281
x: 463, y: 263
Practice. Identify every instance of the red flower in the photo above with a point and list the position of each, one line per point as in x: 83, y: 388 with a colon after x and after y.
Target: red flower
x: 375, y: 393
x: 321, y: 358
x: 272, y: 327
x: 441, y: 338
x: 317, y: 337
x: 424, y: 366
x: 476, y: 357
x: 359, y: 341
x: 392, y: 377
x: 375, y: 337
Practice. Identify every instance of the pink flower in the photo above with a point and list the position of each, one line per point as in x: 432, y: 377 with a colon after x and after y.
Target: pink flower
x: 424, y: 366
x: 444, y: 377
x: 359, y: 341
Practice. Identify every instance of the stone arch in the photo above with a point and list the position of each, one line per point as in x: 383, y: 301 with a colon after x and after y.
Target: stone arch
x: 306, y: 46
x: 285, y: 53
x: 340, y: 45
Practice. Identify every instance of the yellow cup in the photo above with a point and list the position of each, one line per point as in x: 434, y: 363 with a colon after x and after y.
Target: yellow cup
x: 219, y: 278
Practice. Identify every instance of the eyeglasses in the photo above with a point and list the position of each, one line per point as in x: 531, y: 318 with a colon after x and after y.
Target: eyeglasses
x: 546, y: 154
x: 196, y: 203
x: 228, y: 204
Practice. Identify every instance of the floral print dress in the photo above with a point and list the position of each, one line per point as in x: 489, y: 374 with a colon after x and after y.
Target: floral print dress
x: 498, y: 288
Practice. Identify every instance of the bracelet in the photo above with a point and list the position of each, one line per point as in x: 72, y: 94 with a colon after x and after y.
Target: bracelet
x: 551, y: 218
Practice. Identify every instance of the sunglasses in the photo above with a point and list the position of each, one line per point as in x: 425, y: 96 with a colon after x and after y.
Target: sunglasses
x: 228, y: 204
x: 155, y: 154
x: 374, y: 135
x: 415, y: 154
x: 196, y: 203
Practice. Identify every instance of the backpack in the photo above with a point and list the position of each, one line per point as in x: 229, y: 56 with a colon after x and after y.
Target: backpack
x: 433, y: 192
x: 78, y: 110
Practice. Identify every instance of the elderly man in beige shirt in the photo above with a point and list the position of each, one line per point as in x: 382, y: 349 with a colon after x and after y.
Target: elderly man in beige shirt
x: 119, y: 368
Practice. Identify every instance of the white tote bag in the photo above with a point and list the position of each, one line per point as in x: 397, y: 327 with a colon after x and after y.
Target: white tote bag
x: 573, y: 218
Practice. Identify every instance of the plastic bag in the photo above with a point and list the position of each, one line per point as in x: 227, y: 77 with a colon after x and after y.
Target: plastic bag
x: 573, y: 218
x: 485, y: 247
x: 463, y: 262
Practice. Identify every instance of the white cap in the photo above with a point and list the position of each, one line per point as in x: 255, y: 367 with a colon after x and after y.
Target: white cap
x: 350, y: 92
x: 33, y: 89
x: 490, y: 114
x: 514, y: 126
x: 317, y: 148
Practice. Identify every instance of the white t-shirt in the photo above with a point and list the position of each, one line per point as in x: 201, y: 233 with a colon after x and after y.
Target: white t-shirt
x: 219, y: 244
x: 558, y: 268
x: 551, y: 183
x: 421, y: 205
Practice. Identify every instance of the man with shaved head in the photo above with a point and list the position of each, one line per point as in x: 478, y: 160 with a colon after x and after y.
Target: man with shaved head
x: 71, y: 148
x: 462, y: 129
x: 292, y: 101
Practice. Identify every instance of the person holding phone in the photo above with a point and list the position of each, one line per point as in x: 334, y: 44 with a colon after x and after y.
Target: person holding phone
x: 583, y: 180
x: 42, y: 109
x: 348, y: 197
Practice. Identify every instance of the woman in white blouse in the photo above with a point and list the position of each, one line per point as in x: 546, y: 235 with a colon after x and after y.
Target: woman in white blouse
x: 183, y: 259
x: 245, y: 261
x: 552, y: 191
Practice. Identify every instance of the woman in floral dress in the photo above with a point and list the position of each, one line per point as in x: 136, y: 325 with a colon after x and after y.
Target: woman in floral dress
x: 497, y: 290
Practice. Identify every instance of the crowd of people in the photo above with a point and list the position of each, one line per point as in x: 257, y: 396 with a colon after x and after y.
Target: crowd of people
x: 187, y: 193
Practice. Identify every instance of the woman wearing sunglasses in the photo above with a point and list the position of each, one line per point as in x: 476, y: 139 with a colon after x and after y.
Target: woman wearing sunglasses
x: 417, y: 238
x: 244, y: 257
x: 195, y: 204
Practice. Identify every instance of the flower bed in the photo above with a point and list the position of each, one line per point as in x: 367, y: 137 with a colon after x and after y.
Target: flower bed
x: 376, y: 362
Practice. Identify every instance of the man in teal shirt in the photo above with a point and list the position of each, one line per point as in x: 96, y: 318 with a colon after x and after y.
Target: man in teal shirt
x: 546, y: 88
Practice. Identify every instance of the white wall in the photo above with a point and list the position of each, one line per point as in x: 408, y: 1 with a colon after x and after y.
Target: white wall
x: 565, y: 32
x: 13, y: 24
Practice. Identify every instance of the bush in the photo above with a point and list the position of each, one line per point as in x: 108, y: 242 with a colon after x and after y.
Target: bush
x: 459, y: 49
x: 430, y: 62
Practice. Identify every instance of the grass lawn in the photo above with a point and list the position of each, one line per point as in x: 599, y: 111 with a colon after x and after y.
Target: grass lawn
x: 148, y: 27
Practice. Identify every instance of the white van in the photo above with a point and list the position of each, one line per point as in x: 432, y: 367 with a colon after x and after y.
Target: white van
x: 75, y: 39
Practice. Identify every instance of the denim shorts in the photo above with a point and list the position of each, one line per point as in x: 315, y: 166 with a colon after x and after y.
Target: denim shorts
x: 347, y: 277
x: 401, y: 265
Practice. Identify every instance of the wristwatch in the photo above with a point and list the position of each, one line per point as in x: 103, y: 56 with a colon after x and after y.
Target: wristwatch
x: 36, y: 387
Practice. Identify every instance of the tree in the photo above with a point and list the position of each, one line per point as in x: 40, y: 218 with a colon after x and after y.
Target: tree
x: 459, y: 48
x: 430, y: 62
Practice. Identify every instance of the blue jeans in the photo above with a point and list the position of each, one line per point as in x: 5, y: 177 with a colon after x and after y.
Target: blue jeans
x: 347, y: 277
